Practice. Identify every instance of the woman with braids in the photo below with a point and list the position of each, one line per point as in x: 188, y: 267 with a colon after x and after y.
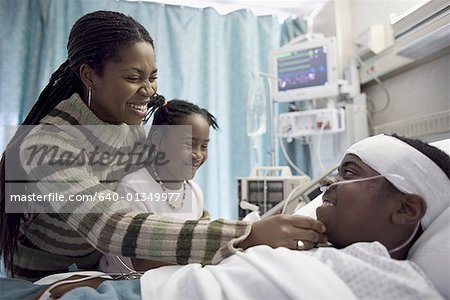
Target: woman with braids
x: 86, y: 136
x: 168, y: 189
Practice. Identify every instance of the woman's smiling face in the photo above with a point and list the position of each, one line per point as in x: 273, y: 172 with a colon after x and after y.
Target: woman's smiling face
x: 122, y: 93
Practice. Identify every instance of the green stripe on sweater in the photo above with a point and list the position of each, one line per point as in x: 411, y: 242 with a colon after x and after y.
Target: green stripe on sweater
x: 156, y: 240
x: 63, y: 115
x: 212, y: 241
x: 184, y: 242
x: 132, y: 234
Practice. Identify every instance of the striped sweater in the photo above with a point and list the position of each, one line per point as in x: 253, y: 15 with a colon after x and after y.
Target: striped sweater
x: 76, y: 233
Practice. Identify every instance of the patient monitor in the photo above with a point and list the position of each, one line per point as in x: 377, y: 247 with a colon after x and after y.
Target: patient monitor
x: 305, y: 70
x: 302, y: 196
x: 266, y: 187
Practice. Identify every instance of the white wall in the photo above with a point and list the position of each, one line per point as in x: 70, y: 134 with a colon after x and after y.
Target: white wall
x: 367, y: 12
x: 416, y: 92
x: 419, y: 91
x: 422, y: 90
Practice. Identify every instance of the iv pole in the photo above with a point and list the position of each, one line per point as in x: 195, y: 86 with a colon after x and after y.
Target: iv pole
x: 271, y: 115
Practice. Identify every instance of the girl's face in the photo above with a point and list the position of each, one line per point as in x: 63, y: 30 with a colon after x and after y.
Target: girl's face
x: 185, y: 149
x: 122, y: 93
x: 198, y: 143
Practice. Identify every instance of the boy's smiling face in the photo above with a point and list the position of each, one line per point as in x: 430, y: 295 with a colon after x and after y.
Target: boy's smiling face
x: 357, y: 211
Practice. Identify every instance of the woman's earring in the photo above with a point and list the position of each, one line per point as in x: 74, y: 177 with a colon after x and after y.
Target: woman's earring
x: 89, y: 96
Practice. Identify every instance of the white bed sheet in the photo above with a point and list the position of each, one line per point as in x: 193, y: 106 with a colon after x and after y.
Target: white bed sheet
x: 360, y: 271
x: 258, y: 273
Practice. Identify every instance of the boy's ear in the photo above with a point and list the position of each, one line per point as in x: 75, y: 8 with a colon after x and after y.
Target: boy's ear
x: 411, y: 210
x: 87, y: 75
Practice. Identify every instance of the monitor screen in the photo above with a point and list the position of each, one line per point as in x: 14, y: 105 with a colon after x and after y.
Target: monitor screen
x: 306, y: 70
x: 301, y: 68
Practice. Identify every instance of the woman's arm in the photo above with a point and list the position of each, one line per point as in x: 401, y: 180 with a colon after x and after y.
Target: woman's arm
x: 111, y: 227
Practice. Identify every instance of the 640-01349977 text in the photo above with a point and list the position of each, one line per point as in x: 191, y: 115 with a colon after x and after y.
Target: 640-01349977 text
x: 97, y: 196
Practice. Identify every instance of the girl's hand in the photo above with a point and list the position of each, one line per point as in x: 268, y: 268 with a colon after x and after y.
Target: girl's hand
x: 286, y: 231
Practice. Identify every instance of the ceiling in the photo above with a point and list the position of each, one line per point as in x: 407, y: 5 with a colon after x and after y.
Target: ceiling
x: 282, y: 9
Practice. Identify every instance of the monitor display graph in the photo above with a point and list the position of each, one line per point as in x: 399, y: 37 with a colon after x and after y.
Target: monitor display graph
x: 302, y: 68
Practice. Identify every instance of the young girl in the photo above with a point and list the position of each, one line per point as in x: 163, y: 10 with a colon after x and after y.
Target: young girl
x: 168, y: 189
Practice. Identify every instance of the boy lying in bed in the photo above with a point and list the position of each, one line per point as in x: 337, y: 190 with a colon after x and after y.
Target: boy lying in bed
x: 388, y: 192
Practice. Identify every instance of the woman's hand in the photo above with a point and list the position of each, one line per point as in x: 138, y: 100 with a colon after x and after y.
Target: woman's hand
x: 286, y: 231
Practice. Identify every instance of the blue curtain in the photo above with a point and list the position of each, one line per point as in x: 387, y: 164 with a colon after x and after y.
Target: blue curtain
x: 202, y: 57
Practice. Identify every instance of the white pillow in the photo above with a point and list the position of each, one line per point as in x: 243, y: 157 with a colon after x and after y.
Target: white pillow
x: 432, y: 250
x: 444, y: 145
x: 309, y: 210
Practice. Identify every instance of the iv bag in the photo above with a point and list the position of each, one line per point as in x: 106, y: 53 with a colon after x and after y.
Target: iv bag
x: 256, y: 108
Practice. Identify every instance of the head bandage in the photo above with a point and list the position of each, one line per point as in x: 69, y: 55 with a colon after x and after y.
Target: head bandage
x: 389, y: 155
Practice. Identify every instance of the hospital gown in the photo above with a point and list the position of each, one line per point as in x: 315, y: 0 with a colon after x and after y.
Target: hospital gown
x: 360, y: 271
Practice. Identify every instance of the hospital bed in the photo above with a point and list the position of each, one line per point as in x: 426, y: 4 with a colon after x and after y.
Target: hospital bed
x: 431, y: 252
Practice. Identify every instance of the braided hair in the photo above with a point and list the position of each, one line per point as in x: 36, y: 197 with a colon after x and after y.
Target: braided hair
x: 174, y: 111
x: 95, y: 39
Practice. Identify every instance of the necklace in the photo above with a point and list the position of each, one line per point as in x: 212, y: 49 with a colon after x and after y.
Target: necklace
x: 183, y: 183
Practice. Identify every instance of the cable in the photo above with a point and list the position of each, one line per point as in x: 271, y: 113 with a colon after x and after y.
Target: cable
x: 286, y: 156
x: 122, y: 263
x: 388, y: 97
x: 265, y: 188
x: 288, y: 199
x: 369, y: 122
x: 319, y: 140
x: 410, y: 238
